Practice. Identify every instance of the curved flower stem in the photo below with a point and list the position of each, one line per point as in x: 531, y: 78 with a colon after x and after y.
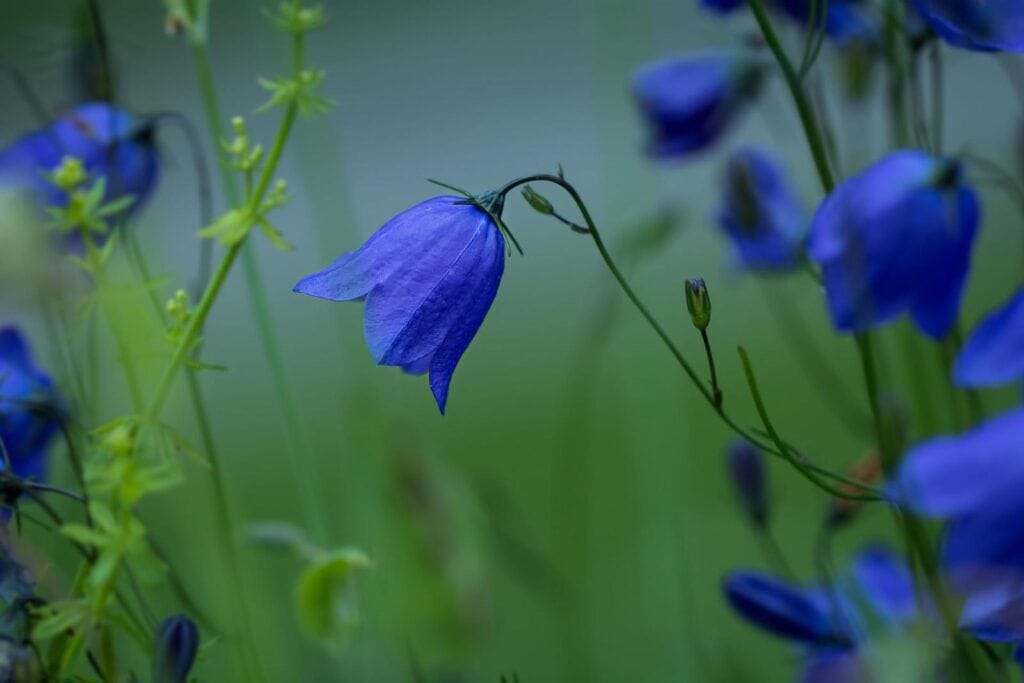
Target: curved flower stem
x: 708, y: 394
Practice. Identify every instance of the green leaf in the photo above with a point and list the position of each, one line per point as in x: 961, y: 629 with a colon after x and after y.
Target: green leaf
x: 84, y: 535
x: 57, y: 617
x: 231, y: 228
x: 273, y: 234
x: 325, y: 596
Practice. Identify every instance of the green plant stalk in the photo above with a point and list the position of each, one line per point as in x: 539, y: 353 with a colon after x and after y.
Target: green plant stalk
x: 802, y: 465
x: 301, y: 456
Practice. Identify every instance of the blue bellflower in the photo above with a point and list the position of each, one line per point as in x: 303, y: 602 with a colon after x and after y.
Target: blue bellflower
x: 105, y: 138
x: 25, y: 432
x: 690, y: 102
x: 828, y: 623
x: 745, y: 466
x: 174, y: 646
x: 428, y: 277
x: 760, y: 213
x: 994, y: 353
x: 973, y: 481
x: 988, y: 25
x: 897, y: 238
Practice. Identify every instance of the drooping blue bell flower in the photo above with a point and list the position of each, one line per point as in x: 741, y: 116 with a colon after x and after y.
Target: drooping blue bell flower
x: 26, y: 430
x: 428, y: 277
x: 745, y: 466
x: 108, y: 141
x: 973, y: 481
x: 760, y: 212
x: 897, y: 238
x: 781, y: 608
x: 846, y: 21
x: 994, y: 353
x: 829, y: 624
x: 174, y: 649
x: 983, y: 25
x: 690, y: 102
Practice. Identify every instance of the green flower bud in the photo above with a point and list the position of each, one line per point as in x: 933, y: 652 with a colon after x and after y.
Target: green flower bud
x: 698, y: 302
x: 70, y: 174
x: 539, y: 203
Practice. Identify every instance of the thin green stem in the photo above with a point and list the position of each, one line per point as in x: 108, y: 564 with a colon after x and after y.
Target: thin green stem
x: 814, y: 137
x: 716, y: 390
x: 808, y: 473
x: 780, y: 449
x: 301, y: 457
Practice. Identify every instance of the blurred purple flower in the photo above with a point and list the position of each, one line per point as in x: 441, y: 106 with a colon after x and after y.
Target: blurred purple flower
x: 986, y: 25
x: 689, y: 102
x: 994, y: 353
x: 428, y: 276
x: 745, y: 466
x: 896, y: 238
x: 760, y: 212
x: 105, y: 138
x: 25, y: 432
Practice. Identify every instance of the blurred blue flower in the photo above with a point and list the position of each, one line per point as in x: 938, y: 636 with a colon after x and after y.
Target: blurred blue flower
x: 989, y: 25
x: 105, y: 138
x: 723, y: 6
x: 897, y: 238
x: 826, y: 621
x: 689, y: 102
x: 174, y: 649
x: 428, y: 276
x: 745, y: 466
x: 782, y: 608
x: 846, y: 21
x: 994, y: 353
x: 974, y: 480
x: 760, y: 213
x: 24, y: 431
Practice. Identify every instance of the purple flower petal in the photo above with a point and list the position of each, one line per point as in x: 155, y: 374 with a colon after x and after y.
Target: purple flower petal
x: 994, y: 353
x: 953, y: 476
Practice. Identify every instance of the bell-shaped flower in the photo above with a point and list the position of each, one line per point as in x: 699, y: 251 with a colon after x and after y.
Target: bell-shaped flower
x: 829, y: 623
x: 175, y: 646
x: 986, y: 26
x: 690, y: 102
x: 994, y: 353
x: 745, y: 467
x: 760, y: 213
x: 897, y: 238
x: 973, y: 481
x: 28, y: 406
x: 107, y: 140
x: 428, y: 277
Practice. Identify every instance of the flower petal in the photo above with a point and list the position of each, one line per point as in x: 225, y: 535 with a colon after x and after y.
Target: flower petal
x: 466, y: 325
x: 958, y: 475
x: 779, y: 607
x: 409, y: 236
x: 994, y: 353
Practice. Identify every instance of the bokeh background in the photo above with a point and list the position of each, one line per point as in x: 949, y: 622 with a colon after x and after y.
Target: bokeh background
x: 569, y: 519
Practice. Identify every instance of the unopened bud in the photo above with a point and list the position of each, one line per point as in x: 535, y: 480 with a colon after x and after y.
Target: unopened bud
x: 698, y: 302
x: 70, y: 174
x: 539, y: 203
x: 745, y: 466
x: 175, y: 646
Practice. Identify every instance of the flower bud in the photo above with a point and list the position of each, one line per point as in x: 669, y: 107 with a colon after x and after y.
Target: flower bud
x: 539, y: 203
x: 698, y: 302
x: 745, y: 466
x: 175, y: 647
x: 70, y: 174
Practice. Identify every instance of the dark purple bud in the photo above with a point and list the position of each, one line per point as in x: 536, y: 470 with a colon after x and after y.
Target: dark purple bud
x: 745, y: 465
x: 175, y: 647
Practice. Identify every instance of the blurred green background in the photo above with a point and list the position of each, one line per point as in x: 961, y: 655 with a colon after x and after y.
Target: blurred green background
x: 569, y: 519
